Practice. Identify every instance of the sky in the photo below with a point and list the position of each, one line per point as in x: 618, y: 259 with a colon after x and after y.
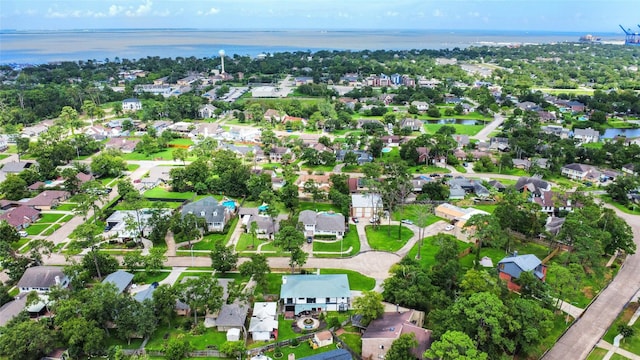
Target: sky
x: 528, y: 15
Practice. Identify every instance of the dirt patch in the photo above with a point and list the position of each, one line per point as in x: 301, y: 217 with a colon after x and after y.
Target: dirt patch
x: 629, y: 311
x: 340, y: 332
x: 588, y: 292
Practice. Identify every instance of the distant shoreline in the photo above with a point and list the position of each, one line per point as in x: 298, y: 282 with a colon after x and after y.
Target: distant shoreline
x: 44, y: 47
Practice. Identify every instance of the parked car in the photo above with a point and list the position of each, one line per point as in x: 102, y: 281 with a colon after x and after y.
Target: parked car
x: 434, y: 175
x: 448, y: 175
x: 355, y: 219
x: 374, y: 220
x: 309, y: 239
x: 449, y: 227
x: 406, y: 221
x: 23, y: 233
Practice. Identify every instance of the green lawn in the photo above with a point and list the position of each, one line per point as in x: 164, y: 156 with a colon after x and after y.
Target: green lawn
x: 597, y: 354
x: 460, y: 129
x: 484, y: 207
x: 632, y: 343
x: 18, y: 244
x: 429, y: 248
x: 4, y: 156
x: 413, y: 211
x: 66, y: 207
x: 124, y: 205
x: 49, y: 218
x: 380, y: 240
x: 52, y: 229
x: 431, y: 169
x: 209, y: 241
x: 357, y: 281
x: 160, y: 193
x: 318, y: 207
x: 300, y: 351
x: 560, y: 324
x: 165, y: 154
x: 635, y: 210
x: 132, y: 167
x: 623, y: 318
x: 181, y: 141
x: 498, y: 254
x: 198, y: 342
x: 112, y: 341
x: 36, y: 229
x: 350, y: 239
x: 353, y: 341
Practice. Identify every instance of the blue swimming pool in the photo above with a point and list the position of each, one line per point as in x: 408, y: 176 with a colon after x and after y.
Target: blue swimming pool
x: 263, y: 207
x: 229, y: 204
x: 386, y: 150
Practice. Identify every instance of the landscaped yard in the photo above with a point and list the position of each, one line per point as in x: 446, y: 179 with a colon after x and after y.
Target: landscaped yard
x: 165, y: 154
x: 498, y: 254
x: 460, y: 129
x: 66, y: 207
x: 318, y: 207
x: 209, y: 241
x: 302, y: 350
x: 36, y: 229
x: 49, y: 218
x: 317, y: 168
x: 198, y: 342
x: 353, y: 341
x: 429, y: 248
x: 597, y: 354
x: 379, y: 238
x: 413, y: 211
x: 350, y: 240
x: 161, y: 193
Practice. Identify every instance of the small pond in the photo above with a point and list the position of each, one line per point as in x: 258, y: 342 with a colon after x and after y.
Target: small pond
x: 455, y: 121
x: 630, y: 133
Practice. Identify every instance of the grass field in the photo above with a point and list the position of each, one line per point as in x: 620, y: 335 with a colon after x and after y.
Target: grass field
x: 350, y: 239
x: 209, y: 241
x: 412, y: 212
x: 36, y: 229
x: 317, y: 168
x: 460, y: 129
x: 49, y: 218
x: 597, y: 354
x: 66, y: 207
x: 429, y: 248
x: 318, y: 207
x: 198, y: 342
x: 160, y: 193
x: 165, y: 154
x: 380, y: 240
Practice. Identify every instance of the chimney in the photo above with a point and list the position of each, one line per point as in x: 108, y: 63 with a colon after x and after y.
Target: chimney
x: 515, y: 253
x: 317, y: 271
x: 398, y: 308
x: 57, y: 280
x: 284, y: 280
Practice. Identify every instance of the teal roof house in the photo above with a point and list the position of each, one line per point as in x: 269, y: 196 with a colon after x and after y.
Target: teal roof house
x: 315, y: 293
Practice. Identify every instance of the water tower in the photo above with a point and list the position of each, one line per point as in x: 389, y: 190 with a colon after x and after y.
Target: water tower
x: 221, y: 53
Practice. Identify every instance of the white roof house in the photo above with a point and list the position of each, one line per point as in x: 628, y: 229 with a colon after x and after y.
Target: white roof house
x: 365, y: 205
x: 264, y: 320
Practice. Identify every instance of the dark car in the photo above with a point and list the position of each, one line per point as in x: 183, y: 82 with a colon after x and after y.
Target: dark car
x: 355, y: 219
x: 434, y: 175
x: 309, y: 239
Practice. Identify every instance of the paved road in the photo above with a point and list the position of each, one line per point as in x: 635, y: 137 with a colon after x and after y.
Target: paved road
x: 483, y: 135
x: 585, y: 333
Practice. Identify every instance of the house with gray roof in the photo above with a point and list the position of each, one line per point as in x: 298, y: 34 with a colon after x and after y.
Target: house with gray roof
x: 413, y: 124
x: 337, y: 354
x: 322, y: 223
x: 510, y: 268
x: 533, y: 185
x: 587, y: 135
x: 231, y: 316
x: 580, y: 172
x: 146, y: 294
x: 300, y: 293
x: 468, y: 185
x: 42, y: 278
x: 362, y: 156
x: 264, y: 320
x: 121, y: 279
x: 216, y: 215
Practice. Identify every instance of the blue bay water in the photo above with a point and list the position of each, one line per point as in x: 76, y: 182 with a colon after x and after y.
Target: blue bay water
x: 38, y: 47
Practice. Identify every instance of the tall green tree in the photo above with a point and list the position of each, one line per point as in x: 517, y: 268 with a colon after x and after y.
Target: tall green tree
x: 25, y: 339
x: 291, y: 239
x: 454, y: 345
x: 369, y: 305
x: 402, y: 348
x: 257, y: 267
x: 223, y: 258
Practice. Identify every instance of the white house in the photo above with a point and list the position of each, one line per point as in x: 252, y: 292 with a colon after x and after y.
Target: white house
x: 42, y: 278
x: 315, y: 293
x: 365, y: 205
x: 131, y: 104
x: 587, y: 135
x: 264, y: 321
x: 207, y: 111
x: 322, y: 223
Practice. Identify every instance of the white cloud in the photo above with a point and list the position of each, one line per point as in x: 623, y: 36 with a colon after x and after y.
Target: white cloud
x: 437, y: 13
x: 473, y: 13
x: 115, y: 10
x: 391, y: 13
x: 57, y: 14
x: 343, y: 15
x: 164, y: 13
x: 143, y: 9
x: 209, y: 12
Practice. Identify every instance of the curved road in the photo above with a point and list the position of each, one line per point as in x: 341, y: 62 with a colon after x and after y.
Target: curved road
x: 585, y: 333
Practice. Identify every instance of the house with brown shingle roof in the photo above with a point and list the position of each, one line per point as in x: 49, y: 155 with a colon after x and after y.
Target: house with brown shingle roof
x: 20, y: 217
x: 272, y: 114
x: 48, y: 199
x: 125, y: 145
x: 382, y: 332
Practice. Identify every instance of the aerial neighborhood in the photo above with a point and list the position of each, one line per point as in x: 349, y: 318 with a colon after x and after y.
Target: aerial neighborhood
x: 322, y: 205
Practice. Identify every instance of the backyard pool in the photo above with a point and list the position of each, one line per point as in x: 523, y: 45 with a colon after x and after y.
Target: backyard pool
x: 229, y: 204
x: 386, y: 150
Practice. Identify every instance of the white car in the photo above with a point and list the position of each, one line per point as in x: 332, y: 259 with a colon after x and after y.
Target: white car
x: 449, y: 228
x: 406, y: 221
x: 23, y: 233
